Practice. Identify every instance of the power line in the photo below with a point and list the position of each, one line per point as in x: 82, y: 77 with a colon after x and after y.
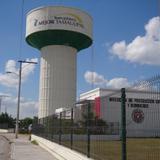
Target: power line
x: 21, y: 30
x: 92, y: 65
x: 159, y: 8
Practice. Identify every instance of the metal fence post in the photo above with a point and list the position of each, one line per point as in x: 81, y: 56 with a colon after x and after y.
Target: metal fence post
x: 44, y: 133
x: 60, y: 127
x: 71, y: 128
x: 88, y: 131
x: 52, y: 127
x: 47, y: 124
x: 123, y: 123
x: 49, y: 127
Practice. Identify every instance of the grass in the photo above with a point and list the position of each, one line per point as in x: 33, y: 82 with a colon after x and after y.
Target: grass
x: 34, y: 142
x: 143, y: 149
x: 137, y: 149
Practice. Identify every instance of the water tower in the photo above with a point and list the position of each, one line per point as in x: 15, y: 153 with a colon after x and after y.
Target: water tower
x: 59, y: 33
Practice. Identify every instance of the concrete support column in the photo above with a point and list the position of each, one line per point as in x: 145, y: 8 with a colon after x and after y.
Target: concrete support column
x: 58, y: 78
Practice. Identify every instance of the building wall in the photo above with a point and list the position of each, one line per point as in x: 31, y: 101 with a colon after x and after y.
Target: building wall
x: 142, y: 111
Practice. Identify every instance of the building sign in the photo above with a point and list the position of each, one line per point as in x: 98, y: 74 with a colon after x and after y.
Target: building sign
x: 136, y: 102
x: 137, y: 116
x: 64, y: 19
x: 59, y: 18
x: 97, y: 107
x: 137, y: 105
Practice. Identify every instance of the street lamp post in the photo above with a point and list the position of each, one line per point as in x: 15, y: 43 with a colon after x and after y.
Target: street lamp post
x: 0, y: 104
x: 19, y: 93
x: 18, y: 103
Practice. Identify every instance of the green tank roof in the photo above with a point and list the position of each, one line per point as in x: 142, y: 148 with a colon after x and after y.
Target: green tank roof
x: 59, y: 37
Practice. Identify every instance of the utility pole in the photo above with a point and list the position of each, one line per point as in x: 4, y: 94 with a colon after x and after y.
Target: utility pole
x: 5, y: 109
x: 19, y: 93
x: 0, y: 104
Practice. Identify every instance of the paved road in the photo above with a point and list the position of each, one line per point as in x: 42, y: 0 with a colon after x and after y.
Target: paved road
x: 23, y: 149
x: 4, y: 148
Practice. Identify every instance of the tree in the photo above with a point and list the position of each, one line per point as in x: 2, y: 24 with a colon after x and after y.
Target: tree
x: 7, y: 120
x: 97, y: 125
x: 24, y: 123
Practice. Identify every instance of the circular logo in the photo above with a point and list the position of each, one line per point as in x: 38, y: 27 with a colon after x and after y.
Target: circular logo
x: 137, y: 116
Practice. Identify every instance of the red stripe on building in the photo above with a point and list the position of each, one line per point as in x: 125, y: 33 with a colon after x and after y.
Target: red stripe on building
x: 97, y: 107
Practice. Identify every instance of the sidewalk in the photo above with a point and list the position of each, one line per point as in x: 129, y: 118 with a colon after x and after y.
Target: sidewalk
x: 23, y: 149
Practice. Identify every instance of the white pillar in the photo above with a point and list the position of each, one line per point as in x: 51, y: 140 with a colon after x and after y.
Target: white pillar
x: 57, y: 78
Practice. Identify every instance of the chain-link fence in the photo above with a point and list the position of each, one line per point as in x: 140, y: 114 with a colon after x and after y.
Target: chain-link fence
x: 143, y: 121
x: 85, y: 128
x: 121, y: 124
x: 3, y: 125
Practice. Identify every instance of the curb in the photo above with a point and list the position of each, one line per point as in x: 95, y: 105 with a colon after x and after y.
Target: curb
x: 59, y: 151
x: 12, y: 152
x: 59, y: 157
x: 6, y: 139
x: 10, y: 148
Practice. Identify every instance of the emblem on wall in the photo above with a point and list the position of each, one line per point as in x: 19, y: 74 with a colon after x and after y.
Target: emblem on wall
x: 137, y: 115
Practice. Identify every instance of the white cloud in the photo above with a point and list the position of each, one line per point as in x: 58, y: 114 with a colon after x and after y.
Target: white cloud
x: 28, y: 108
x: 100, y: 81
x: 11, y: 79
x: 11, y: 66
x: 118, y: 83
x: 143, y: 49
x: 94, y: 78
x: 28, y: 68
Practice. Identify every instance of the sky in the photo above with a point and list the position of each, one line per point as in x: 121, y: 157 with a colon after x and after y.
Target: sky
x: 126, y: 48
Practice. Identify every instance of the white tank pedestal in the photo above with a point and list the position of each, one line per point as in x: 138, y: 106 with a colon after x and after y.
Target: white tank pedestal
x: 58, y: 78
